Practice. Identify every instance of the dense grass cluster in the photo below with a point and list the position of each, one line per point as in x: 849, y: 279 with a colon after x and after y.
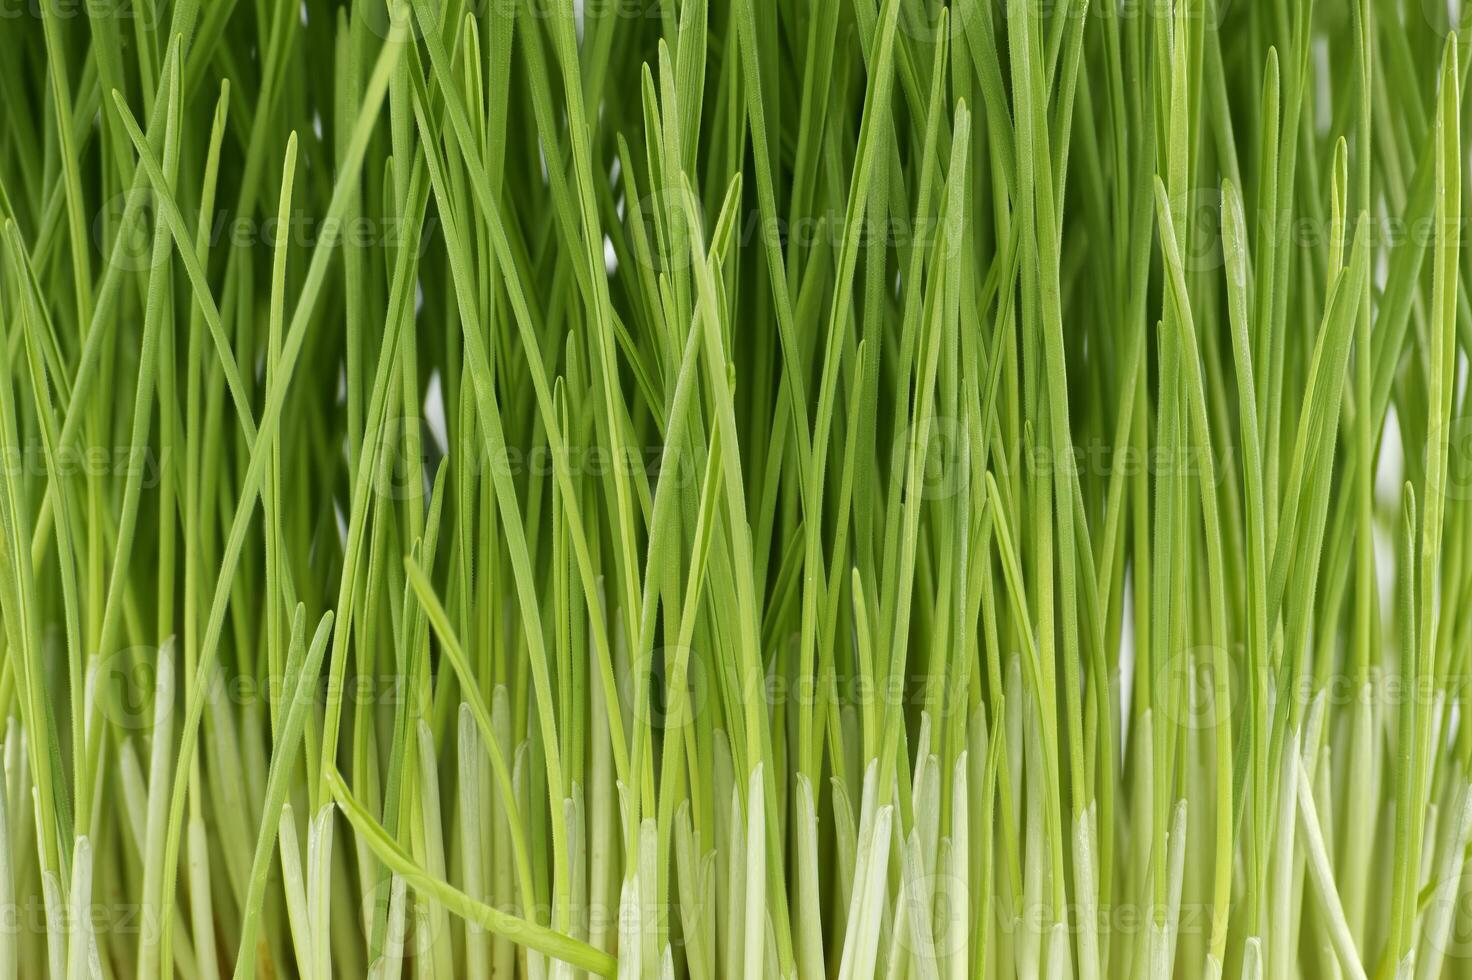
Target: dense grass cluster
x: 734, y: 488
